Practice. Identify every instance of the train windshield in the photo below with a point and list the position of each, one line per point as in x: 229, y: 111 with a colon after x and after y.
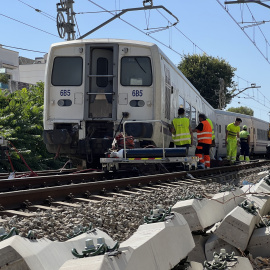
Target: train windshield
x: 136, y: 71
x: 67, y: 71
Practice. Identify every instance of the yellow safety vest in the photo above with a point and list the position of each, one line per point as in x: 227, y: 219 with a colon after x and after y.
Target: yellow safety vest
x: 232, y: 131
x: 182, y: 133
x: 244, y: 136
x: 212, y: 126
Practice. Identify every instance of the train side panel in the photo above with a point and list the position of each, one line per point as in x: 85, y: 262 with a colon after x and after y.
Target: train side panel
x: 259, y: 136
x: 224, y: 118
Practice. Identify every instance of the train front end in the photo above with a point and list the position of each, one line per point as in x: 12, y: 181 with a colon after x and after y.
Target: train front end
x: 91, y: 88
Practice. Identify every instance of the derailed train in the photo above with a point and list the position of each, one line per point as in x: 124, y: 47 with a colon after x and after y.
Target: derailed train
x: 93, y: 86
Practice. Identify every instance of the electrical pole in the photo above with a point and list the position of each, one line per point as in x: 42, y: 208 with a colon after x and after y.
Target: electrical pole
x: 64, y: 27
x: 253, y: 85
x: 221, y: 94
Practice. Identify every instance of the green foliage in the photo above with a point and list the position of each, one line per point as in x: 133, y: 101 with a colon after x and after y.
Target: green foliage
x: 204, y: 72
x: 4, y: 78
x: 21, y: 115
x: 242, y: 109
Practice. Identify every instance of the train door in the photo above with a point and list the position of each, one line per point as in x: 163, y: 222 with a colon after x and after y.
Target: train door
x: 101, y: 82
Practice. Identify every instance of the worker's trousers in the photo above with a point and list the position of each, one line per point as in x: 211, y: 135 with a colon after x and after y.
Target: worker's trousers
x: 231, y: 149
x: 244, y: 152
x: 202, y: 152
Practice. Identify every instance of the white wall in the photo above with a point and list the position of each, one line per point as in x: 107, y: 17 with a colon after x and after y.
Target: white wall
x: 10, y: 60
x: 32, y: 73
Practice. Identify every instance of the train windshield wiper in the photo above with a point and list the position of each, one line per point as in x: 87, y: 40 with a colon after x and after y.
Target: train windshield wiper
x: 139, y: 65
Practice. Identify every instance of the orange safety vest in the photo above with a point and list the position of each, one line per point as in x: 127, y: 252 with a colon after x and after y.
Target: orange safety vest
x: 205, y: 136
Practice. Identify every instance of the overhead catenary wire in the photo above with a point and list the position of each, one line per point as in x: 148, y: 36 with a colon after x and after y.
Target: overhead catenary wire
x: 17, y: 48
x: 169, y: 47
x: 28, y: 25
x: 39, y: 11
x: 111, y: 12
x: 137, y: 29
x: 265, y: 57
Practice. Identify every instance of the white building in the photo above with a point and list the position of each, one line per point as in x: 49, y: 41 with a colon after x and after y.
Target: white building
x: 9, y: 63
x: 33, y: 72
x: 20, y: 70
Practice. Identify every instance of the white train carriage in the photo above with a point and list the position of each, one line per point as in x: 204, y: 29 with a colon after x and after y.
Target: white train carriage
x: 92, y: 86
x: 224, y: 118
x: 259, y: 136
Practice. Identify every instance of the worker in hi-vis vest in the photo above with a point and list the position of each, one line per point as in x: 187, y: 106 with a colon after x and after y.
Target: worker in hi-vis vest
x: 212, y: 150
x: 231, y: 139
x: 204, y: 137
x: 181, y: 131
x: 244, y: 143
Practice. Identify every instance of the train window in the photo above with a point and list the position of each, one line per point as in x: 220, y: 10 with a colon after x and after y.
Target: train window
x: 67, y: 71
x: 193, y: 117
x: 136, y: 71
x: 188, y: 110
x: 181, y: 102
x: 102, y: 69
x: 219, y: 128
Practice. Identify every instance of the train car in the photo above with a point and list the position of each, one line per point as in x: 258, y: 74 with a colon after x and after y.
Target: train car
x: 258, y: 130
x: 93, y: 86
x: 259, y: 136
x: 224, y: 118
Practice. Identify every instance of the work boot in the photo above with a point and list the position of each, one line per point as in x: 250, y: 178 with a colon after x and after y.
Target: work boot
x: 241, y: 158
x: 247, y: 159
x: 200, y: 166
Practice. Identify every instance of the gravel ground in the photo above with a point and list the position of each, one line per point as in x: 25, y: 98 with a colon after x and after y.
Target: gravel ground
x: 119, y: 217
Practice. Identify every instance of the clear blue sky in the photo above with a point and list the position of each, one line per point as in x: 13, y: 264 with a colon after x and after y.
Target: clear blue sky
x: 204, y: 27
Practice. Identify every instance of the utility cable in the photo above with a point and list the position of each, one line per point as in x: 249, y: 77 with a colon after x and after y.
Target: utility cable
x: 157, y: 39
x: 138, y: 29
x: 22, y: 49
x: 93, y: 12
x: 28, y: 25
x: 39, y: 11
x: 244, y: 32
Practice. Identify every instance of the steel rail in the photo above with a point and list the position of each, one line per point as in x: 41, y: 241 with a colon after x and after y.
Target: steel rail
x: 15, y: 199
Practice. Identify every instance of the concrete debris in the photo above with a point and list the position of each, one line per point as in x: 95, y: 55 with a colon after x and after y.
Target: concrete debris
x: 211, y: 219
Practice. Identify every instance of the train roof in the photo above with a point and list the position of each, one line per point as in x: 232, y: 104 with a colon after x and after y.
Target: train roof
x: 104, y: 40
x: 239, y: 115
x: 232, y: 113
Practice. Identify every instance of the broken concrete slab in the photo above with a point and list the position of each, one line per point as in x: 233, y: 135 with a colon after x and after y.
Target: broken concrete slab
x: 237, y: 227
x: 259, y: 242
x: 156, y: 246
x: 214, y: 244
x: 202, y: 213
x: 44, y: 254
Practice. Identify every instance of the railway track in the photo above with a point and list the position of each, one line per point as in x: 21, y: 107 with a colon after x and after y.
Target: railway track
x: 47, y: 190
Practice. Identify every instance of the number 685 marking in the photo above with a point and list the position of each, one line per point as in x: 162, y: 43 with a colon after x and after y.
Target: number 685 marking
x: 65, y: 92
x: 137, y: 93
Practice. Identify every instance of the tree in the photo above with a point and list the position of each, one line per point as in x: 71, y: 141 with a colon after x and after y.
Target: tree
x: 205, y: 72
x: 21, y: 114
x: 4, y: 78
x: 242, y: 110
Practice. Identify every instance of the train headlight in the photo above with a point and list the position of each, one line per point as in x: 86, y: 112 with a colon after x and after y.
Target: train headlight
x: 61, y: 102
x: 64, y: 102
x: 136, y: 103
x: 141, y: 103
